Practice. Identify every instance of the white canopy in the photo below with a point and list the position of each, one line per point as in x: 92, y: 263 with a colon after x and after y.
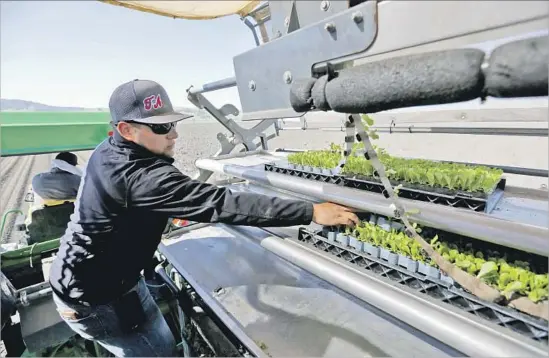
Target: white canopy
x: 192, y: 10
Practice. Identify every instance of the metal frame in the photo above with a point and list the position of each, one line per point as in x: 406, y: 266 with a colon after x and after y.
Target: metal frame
x: 381, y: 291
x: 263, y: 78
x: 41, y: 325
x: 299, y: 22
x: 461, y: 331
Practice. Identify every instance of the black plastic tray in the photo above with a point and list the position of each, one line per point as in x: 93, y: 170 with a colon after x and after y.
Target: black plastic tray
x: 479, y: 202
x: 531, y: 327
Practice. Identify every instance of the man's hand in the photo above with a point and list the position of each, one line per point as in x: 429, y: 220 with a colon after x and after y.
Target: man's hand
x: 330, y: 214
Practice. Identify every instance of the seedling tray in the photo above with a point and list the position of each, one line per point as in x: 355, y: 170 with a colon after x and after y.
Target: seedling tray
x: 479, y: 202
x: 425, y: 280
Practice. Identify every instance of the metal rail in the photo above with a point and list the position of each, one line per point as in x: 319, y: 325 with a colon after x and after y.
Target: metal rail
x: 530, y: 132
x: 532, y: 172
x: 529, y: 238
x: 445, y: 323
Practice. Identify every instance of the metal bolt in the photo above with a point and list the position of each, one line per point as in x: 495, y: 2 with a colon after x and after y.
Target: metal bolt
x: 324, y: 5
x: 287, y: 21
x: 357, y: 17
x: 251, y: 85
x: 287, y: 77
x: 330, y: 27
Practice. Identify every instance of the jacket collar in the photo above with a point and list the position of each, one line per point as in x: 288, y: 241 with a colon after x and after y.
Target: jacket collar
x: 134, y: 150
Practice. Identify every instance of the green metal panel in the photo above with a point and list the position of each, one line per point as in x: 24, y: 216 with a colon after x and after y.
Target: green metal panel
x: 25, y: 133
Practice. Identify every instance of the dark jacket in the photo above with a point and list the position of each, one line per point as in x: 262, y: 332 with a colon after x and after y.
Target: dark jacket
x: 56, y: 184
x: 126, y: 196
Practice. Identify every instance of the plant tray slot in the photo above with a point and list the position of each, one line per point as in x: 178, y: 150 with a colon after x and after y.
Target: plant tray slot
x: 531, y: 327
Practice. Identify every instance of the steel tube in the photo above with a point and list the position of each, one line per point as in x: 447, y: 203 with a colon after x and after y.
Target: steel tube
x: 483, y: 227
x: 468, y: 335
x: 214, y: 86
x: 533, y: 172
x: 252, y: 28
x: 527, y: 132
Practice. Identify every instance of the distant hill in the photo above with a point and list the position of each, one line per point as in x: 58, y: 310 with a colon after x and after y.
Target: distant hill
x: 23, y: 105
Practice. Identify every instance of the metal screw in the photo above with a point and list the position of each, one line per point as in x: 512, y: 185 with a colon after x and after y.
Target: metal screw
x: 324, y: 5
x: 330, y: 27
x: 357, y: 17
x: 287, y: 77
x: 251, y: 85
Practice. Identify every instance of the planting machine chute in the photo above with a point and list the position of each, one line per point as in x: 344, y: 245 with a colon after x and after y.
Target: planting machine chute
x: 448, y: 258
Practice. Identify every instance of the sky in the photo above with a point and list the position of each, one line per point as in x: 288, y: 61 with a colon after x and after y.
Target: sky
x: 74, y: 53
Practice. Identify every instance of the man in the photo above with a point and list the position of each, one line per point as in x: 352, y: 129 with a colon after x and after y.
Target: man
x: 53, y: 194
x: 129, y: 190
x: 61, y: 182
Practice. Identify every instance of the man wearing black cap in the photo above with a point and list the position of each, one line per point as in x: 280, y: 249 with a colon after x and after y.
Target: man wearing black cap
x: 128, y: 192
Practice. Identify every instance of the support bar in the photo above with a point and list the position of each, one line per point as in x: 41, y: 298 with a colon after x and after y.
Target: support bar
x: 446, y: 324
x: 214, y: 86
x: 529, y: 238
x: 527, y: 132
x: 532, y: 172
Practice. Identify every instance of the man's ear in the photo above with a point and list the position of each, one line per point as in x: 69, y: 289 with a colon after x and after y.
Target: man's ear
x: 125, y: 130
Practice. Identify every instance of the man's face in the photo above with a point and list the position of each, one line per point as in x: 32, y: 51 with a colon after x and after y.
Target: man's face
x: 142, y: 134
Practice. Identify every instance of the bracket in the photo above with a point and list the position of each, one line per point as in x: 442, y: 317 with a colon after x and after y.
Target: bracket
x: 265, y: 73
x: 288, y: 16
x: 247, y: 137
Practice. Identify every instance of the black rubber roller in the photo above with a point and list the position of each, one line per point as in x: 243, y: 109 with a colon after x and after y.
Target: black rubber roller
x: 519, y: 69
x: 425, y: 79
x: 300, y: 94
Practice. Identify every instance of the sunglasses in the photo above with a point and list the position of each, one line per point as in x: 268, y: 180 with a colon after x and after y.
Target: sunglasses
x: 160, y: 129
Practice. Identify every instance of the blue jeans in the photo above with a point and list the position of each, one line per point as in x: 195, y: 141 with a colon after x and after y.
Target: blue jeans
x: 152, y: 339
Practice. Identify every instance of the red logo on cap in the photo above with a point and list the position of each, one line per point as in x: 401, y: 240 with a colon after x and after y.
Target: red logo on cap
x: 153, y: 102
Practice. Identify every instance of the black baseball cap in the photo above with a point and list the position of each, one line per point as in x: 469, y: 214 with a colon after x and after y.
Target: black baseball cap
x: 143, y: 101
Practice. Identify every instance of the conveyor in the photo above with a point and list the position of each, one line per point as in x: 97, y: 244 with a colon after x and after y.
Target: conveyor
x: 516, y: 221
x: 295, y: 300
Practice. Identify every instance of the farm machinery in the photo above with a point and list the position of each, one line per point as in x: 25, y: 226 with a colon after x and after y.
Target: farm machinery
x: 448, y: 260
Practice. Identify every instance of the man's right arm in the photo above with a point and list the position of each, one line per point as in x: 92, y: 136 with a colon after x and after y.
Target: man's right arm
x: 164, y: 189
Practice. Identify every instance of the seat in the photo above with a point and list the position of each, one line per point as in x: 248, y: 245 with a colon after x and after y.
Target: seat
x: 49, y: 220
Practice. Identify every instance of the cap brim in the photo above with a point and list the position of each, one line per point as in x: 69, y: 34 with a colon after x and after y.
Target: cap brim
x: 164, y: 118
